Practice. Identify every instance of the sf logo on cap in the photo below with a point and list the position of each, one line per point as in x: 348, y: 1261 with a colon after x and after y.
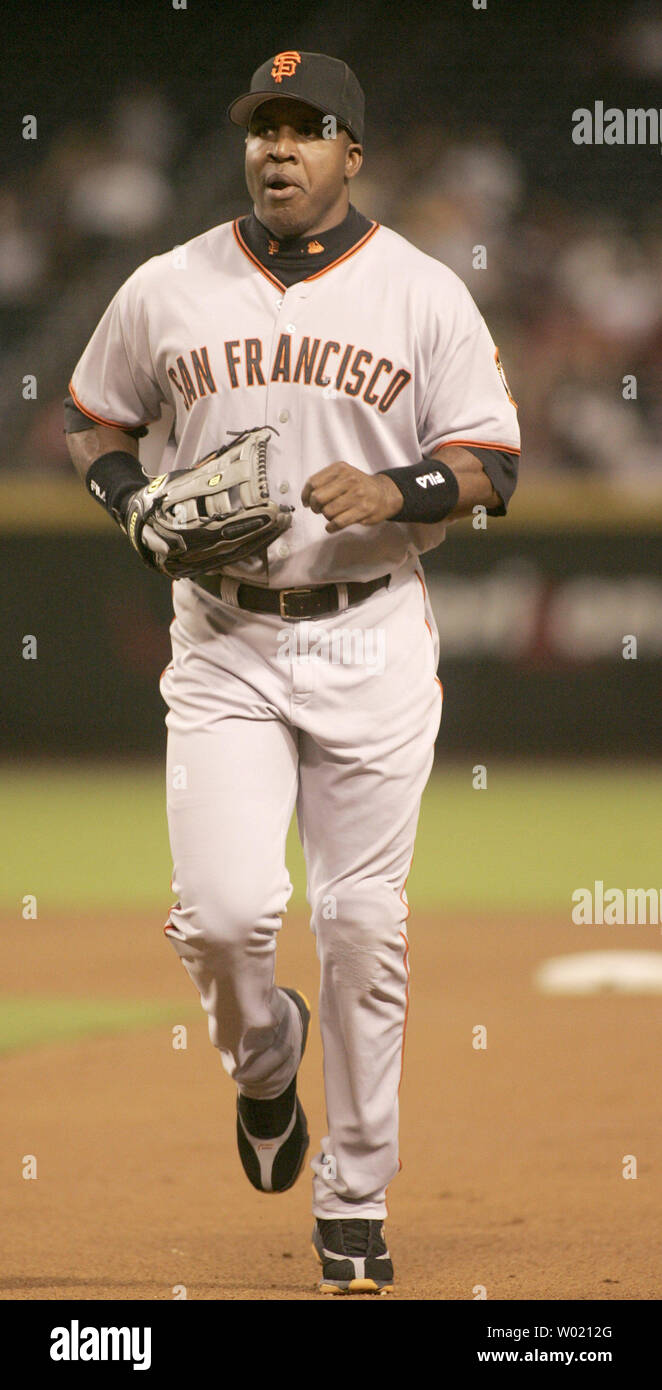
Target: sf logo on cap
x: 285, y: 65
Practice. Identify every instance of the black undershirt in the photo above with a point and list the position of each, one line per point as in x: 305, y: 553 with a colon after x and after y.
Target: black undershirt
x: 292, y: 259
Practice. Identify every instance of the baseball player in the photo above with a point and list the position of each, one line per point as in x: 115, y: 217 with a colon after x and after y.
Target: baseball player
x: 343, y: 401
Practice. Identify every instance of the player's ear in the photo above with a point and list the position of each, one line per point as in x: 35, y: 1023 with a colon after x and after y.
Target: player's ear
x: 353, y: 159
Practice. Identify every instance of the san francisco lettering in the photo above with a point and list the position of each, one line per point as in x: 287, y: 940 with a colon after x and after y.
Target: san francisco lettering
x: 354, y: 371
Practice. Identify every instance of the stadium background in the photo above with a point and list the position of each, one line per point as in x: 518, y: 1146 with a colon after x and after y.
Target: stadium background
x: 468, y: 143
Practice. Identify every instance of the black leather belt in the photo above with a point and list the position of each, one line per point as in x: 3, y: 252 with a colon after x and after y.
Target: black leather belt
x: 294, y: 605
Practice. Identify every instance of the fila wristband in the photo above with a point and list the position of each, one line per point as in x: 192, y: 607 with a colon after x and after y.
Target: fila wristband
x: 112, y: 480
x: 430, y: 490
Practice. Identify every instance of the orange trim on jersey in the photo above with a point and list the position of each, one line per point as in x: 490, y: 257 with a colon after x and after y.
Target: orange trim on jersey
x: 278, y: 283
x: 407, y: 905
x: 346, y: 254
x: 429, y: 630
x: 477, y: 444
x: 247, y: 252
x: 404, y: 1026
x: 174, y: 908
x: 499, y: 366
x: 424, y: 596
x: 101, y: 420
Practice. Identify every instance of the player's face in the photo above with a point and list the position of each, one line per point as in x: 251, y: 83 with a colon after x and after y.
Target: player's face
x: 298, y: 180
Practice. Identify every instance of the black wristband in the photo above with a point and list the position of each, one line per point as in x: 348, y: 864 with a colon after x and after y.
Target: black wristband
x: 430, y: 490
x: 112, y: 480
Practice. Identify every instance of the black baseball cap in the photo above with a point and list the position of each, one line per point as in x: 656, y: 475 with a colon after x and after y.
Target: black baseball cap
x: 325, y: 83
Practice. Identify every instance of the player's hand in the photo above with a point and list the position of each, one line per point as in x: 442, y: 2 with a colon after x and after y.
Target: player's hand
x: 348, y: 497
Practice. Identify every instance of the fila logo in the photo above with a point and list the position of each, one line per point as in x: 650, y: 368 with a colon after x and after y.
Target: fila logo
x: 98, y: 492
x: 431, y: 478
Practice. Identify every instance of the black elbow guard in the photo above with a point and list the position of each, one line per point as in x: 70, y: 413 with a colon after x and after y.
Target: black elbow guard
x: 430, y: 490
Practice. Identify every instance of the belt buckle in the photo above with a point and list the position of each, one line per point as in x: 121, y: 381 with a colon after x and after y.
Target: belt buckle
x: 284, y: 595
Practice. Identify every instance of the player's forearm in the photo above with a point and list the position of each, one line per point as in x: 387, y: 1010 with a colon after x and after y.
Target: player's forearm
x: 428, y: 492
x: 86, y: 446
x: 106, y: 460
x: 474, y: 484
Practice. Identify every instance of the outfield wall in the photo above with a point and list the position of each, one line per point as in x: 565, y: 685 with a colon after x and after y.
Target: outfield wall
x: 536, y: 618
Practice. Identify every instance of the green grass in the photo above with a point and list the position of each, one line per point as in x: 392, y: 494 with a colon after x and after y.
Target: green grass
x: 85, y: 837
x: 35, y: 1020
x: 90, y: 839
x: 535, y: 835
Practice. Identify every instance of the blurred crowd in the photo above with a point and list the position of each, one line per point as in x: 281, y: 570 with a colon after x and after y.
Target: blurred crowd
x: 572, y: 296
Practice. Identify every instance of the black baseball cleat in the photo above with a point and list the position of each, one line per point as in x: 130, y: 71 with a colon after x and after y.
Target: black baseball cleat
x: 272, y: 1135
x: 353, y: 1256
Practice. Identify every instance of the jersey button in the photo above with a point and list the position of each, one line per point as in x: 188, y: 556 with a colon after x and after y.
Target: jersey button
x: 284, y: 417
x: 290, y: 327
x: 283, y: 550
x: 283, y: 487
x: 279, y: 303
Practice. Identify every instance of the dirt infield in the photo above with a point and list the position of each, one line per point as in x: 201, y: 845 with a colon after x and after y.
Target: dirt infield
x: 512, y: 1156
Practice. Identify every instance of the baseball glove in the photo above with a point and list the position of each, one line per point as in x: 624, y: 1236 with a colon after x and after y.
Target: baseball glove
x: 203, y: 518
